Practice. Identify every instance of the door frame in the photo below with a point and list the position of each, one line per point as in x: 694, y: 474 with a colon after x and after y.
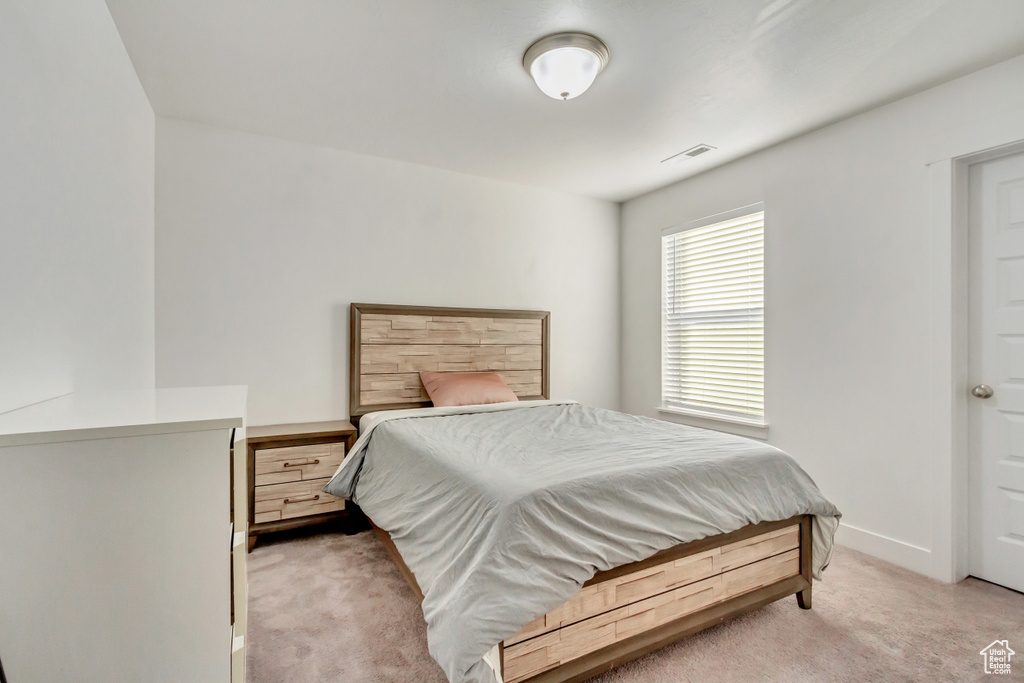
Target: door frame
x: 950, y: 192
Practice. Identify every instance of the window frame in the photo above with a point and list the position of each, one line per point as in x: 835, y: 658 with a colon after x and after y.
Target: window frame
x: 746, y: 424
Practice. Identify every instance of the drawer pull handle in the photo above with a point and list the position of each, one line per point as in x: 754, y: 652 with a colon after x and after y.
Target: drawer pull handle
x: 300, y: 464
x: 301, y: 499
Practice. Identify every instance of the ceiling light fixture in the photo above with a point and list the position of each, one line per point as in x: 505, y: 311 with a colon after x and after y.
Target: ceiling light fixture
x: 564, y: 65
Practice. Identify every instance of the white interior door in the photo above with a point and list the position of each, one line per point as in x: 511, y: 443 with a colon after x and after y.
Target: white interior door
x: 997, y: 366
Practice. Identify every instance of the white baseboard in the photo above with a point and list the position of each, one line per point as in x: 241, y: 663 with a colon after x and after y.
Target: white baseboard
x: 912, y: 557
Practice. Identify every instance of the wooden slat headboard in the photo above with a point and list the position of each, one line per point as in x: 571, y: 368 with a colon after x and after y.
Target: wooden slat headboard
x: 390, y: 345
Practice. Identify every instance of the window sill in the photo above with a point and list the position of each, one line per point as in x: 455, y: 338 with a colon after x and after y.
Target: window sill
x: 751, y: 427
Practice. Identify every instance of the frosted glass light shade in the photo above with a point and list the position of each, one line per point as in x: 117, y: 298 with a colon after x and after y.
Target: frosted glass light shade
x: 564, y: 65
x: 565, y: 72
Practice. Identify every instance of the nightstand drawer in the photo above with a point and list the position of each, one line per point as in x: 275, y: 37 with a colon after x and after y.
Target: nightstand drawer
x: 298, y: 463
x: 295, y: 499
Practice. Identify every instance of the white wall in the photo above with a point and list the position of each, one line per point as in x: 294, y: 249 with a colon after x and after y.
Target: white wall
x: 76, y: 205
x: 262, y: 243
x: 858, y: 300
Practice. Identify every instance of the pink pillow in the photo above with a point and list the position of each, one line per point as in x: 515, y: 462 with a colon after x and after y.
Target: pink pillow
x: 466, y: 388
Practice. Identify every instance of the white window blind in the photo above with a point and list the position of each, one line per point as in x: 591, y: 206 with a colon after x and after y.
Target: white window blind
x: 713, y: 315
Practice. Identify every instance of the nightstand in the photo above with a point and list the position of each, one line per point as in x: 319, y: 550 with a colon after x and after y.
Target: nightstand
x: 288, y: 466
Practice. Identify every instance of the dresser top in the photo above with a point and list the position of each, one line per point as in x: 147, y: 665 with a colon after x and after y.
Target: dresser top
x: 109, y: 414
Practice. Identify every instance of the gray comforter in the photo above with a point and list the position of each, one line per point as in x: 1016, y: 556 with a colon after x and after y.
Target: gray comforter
x: 503, y: 515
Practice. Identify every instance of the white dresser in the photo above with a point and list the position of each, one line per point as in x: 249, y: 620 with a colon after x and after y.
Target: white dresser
x: 118, y: 558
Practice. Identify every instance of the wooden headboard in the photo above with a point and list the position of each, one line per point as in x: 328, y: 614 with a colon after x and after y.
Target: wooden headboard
x: 390, y: 345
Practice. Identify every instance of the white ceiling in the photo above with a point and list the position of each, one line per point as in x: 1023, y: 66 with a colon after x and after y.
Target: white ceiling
x: 440, y: 82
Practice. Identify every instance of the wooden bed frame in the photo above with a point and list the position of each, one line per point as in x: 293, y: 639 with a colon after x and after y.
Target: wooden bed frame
x: 622, y: 613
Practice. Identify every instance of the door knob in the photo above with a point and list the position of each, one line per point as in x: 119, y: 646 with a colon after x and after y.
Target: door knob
x: 982, y: 391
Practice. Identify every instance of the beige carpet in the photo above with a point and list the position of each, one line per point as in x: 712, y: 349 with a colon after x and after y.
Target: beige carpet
x: 334, y: 608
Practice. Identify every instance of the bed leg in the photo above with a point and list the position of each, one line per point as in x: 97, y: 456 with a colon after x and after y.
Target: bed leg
x: 803, y: 598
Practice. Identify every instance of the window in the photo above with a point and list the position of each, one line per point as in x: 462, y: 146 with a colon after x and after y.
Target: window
x: 713, y: 316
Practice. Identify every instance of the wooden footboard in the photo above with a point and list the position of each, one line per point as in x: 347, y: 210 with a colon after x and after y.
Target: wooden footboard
x: 628, y: 611
x: 631, y: 610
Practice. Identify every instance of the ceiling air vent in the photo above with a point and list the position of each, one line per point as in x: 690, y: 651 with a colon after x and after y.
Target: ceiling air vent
x: 688, y: 154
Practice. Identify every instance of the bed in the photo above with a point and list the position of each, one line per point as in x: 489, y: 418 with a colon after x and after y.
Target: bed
x: 553, y: 541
